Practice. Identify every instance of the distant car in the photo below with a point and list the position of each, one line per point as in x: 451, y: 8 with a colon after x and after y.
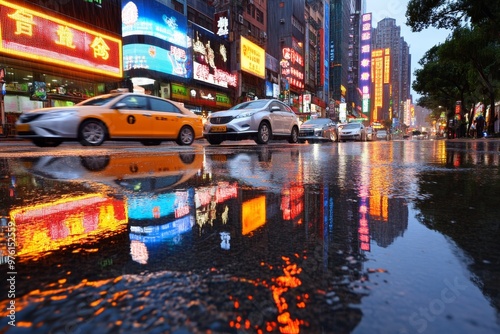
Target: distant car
x: 417, y: 135
x: 383, y: 135
x: 369, y: 133
x: 352, y: 131
x: 318, y: 130
x: 260, y: 120
x: 117, y: 116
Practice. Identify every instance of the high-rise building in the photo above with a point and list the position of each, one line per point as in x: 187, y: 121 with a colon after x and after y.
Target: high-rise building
x: 315, y: 52
x: 387, y: 36
x: 340, y: 28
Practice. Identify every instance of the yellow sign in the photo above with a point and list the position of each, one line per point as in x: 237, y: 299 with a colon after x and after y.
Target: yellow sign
x: 253, y: 58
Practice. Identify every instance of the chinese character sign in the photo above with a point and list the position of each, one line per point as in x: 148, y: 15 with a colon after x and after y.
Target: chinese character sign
x: 33, y: 35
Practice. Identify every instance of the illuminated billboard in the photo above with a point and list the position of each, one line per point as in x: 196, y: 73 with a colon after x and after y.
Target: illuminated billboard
x: 253, y: 58
x: 33, y: 35
x: 365, y: 62
x: 151, y: 18
x: 173, y: 61
x: 292, y: 67
x: 211, y: 61
x: 378, y: 81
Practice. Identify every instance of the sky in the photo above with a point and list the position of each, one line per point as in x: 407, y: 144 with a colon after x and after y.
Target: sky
x: 419, y: 42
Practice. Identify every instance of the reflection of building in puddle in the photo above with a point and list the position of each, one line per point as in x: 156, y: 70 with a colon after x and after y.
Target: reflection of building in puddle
x: 225, y: 237
x: 292, y: 202
x: 207, y: 198
x: 158, y: 219
x: 144, y: 237
x: 49, y: 226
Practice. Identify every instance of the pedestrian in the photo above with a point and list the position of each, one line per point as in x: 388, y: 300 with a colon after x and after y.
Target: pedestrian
x: 480, y: 126
x: 472, y: 130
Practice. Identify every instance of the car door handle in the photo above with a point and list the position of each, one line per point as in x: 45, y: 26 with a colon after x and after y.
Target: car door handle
x: 147, y: 114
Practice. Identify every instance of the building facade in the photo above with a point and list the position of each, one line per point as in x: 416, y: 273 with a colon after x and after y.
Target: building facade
x: 209, y: 55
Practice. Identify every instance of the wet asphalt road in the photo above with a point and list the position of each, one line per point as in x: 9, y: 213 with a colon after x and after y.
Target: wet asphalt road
x: 372, y: 237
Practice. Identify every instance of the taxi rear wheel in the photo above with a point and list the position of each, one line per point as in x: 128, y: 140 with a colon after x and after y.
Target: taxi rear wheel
x: 92, y: 133
x: 186, y: 136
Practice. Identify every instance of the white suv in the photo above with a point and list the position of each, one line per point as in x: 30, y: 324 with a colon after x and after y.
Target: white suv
x: 260, y: 120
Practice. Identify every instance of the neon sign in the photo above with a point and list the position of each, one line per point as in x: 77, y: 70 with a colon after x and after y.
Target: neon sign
x: 365, y: 61
x: 291, y: 60
x: 33, y: 35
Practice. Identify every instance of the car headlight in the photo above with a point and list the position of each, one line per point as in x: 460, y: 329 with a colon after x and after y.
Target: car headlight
x: 245, y: 114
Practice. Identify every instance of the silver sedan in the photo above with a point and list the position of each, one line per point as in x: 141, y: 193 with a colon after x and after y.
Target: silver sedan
x: 318, y: 130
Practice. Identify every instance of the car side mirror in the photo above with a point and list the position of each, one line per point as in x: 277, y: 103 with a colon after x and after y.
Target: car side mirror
x: 275, y: 108
x: 120, y: 105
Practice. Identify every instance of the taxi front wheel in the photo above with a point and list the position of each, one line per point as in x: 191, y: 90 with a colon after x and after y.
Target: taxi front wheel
x: 92, y: 133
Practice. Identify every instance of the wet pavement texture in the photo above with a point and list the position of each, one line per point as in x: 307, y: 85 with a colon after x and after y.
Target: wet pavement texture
x: 372, y: 237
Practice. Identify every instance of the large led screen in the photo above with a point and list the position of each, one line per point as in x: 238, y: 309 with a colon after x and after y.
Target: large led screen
x: 152, y: 18
x: 174, y: 61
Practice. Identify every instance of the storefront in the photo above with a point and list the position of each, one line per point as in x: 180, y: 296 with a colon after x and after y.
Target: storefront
x: 48, y: 59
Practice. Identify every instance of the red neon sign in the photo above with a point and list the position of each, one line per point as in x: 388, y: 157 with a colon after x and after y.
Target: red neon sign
x: 33, y: 35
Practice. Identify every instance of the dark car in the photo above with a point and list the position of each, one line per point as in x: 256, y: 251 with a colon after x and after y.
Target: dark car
x: 318, y: 130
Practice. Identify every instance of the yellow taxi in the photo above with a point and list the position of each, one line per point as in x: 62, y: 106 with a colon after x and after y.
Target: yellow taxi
x: 116, y: 116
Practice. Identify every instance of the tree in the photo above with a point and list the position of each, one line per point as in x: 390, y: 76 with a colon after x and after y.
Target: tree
x: 452, y: 14
x: 474, y: 48
x: 475, y: 41
x: 441, y: 81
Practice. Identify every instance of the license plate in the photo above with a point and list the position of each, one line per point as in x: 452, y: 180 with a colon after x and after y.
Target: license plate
x: 218, y: 128
x: 22, y: 127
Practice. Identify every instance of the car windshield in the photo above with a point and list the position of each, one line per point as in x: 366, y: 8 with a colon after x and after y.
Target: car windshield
x: 257, y: 104
x: 352, y: 126
x: 317, y: 121
x: 382, y: 131
x: 98, y: 100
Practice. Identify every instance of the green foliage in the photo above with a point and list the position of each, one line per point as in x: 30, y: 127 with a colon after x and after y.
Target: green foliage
x: 466, y: 67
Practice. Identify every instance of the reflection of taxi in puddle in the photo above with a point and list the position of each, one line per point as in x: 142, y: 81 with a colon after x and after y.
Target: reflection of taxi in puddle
x: 140, y: 172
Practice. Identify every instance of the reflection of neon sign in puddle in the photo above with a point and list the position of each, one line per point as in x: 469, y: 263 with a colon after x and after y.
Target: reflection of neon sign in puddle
x: 49, y: 226
x: 280, y: 289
